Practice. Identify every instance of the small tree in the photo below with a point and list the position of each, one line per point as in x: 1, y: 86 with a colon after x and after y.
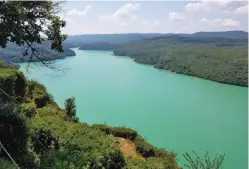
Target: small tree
x: 70, y: 107
x: 207, y: 163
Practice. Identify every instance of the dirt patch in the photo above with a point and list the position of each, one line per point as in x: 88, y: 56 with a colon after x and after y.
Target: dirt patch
x: 126, y: 146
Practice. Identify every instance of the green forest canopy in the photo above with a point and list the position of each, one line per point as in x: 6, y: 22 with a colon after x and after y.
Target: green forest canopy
x: 218, y: 59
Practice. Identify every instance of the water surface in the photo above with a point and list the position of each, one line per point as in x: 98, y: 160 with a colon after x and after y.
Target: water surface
x: 177, y: 112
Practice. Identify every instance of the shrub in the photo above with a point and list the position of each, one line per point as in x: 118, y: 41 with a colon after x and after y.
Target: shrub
x: 45, y: 111
x: 43, y: 100
x: 75, y: 119
x: 124, y: 132
x: 144, y: 148
x: 5, y: 164
x: 13, y: 83
x: 117, y: 131
x: 13, y: 131
x: 27, y: 160
x: 78, y: 159
x: 31, y: 88
x: 70, y: 107
x: 207, y: 163
x: 28, y: 109
x: 43, y: 141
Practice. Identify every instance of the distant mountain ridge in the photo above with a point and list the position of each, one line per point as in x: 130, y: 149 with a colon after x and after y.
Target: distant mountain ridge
x: 14, y: 53
x: 128, y: 37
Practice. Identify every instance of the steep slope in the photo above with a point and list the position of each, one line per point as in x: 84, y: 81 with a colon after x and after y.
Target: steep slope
x: 43, y: 136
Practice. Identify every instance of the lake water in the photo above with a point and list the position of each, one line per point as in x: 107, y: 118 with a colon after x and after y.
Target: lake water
x: 176, y: 112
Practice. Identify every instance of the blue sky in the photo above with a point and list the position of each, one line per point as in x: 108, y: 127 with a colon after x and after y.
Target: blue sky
x: 92, y: 17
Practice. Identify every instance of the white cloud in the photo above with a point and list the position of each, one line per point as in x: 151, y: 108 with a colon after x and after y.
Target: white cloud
x: 152, y: 23
x: 176, y: 16
x: 124, y: 24
x: 218, y: 5
x: 78, y: 12
x: 127, y: 11
x: 196, y: 6
x: 242, y: 9
x: 230, y: 23
x: 124, y: 16
x: 227, y: 22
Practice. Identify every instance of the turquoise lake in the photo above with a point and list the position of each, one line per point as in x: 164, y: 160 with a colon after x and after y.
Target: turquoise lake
x: 172, y: 111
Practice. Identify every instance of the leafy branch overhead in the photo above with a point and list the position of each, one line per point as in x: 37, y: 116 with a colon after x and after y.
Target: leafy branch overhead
x: 27, y: 23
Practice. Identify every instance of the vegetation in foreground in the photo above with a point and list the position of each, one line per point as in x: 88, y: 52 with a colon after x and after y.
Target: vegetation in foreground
x: 40, y: 135
x: 218, y: 59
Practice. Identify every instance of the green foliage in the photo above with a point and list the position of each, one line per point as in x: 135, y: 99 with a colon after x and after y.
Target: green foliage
x: 43, y: 141
x: 48, y: 141
x: 149, y: 163
x: 70, y: 107
x: 117, y: 131
x: 43, y: 100
x: 99, y: 150
x: 28, y: 109
x: 99, y: 46
x: 13, y: 83
x: 27, y: 160
x: 144, y: 148
x: 5, y: 164
x: 39, y: 93
x: 218, y: 59
x: 13, y: 130
x: 8, y: 65
x: 23, y: 21
x: 31, y: 87
x: 206, y: 163
x: 77, y: 159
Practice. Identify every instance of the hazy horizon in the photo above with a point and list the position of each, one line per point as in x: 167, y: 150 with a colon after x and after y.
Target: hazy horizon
x: 152, y: 33
x: 117, y: 17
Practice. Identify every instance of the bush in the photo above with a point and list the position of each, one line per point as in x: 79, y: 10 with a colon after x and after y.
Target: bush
x: 144, y: 148
x: 5, y: 164
x: 78, y: 159
x: 31, y: 88
x: 43, y: 141
x: 27, y: 160
x: 70, y: 107
x: 13, y: 83
x: 13, y: 131
x: 28, y: 109
x: 106, y: 129
x: 207, y: 163
x: 117, y: 131
x: 75, y: 119
x: 43, y: 100
x: 124, y: 132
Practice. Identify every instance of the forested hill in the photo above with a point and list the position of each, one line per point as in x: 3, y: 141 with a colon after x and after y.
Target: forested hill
x: 128, y: 37
x: 218, y: 59
x: 14, y: 53
x: 99, y: 46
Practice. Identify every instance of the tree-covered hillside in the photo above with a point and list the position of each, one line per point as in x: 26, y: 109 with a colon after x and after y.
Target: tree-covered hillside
x: 218, y: 59
x: 99, y: 46
x: 78, y: 40
x: 14, y: 53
